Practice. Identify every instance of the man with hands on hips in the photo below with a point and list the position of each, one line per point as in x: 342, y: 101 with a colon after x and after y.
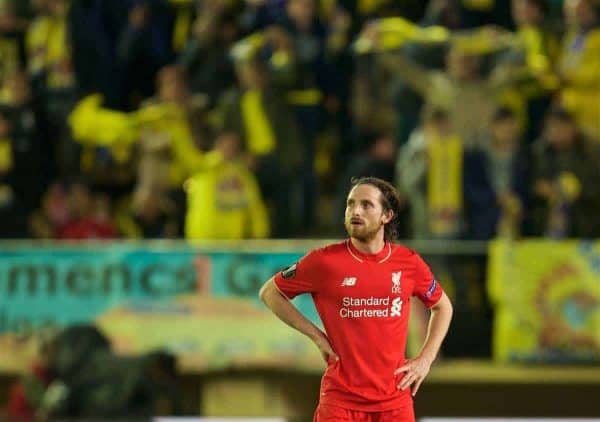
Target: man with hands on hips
x: 362, y: 289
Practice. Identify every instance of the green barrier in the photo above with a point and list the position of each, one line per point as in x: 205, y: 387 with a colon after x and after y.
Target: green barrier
x: 199, y: 301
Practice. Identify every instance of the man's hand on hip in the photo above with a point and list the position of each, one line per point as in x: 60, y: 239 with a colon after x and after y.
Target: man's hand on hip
x: 415, y: 371
x: 325, y: 348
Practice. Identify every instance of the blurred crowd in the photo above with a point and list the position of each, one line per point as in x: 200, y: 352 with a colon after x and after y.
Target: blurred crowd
x: 228, y: 119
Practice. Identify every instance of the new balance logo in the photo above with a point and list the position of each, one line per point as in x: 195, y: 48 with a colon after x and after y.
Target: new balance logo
x: 349, y: 281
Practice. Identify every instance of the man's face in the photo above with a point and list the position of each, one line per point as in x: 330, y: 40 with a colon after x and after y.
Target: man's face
x: 40, y: 6
x: 250, y: 75
x: 461, y: 66
x: 228, y: 144
x: 302, y: 12
x: 171, y: 87
x: 80, y: 200
x: 438, y: 127
x: 506, y: 131
x: 18, y: 86
x: 560, y: 133
x: 58, y: 7
x: 5, y: 126
x: 584, y: 12
x: 365, y: 216
x: 525, y: 12
x: 570, y: 12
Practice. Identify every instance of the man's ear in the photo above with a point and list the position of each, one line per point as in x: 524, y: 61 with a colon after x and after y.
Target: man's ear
x: 387, y: 216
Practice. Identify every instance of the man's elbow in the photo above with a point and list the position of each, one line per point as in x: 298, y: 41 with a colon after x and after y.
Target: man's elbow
x: 448, y: 305
x: 444, y: 304
x: 264, y: 291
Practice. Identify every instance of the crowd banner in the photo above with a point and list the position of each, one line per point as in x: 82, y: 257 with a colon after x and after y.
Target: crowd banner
x: 546, y: 297
x: 198, y: 301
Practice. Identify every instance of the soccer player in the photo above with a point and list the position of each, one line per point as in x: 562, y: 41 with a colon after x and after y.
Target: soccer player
x: 362, y: 288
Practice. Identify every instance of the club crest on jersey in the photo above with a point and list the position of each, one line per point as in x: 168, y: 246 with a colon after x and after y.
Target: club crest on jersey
x: 289, y: 272
x: 396, y: 276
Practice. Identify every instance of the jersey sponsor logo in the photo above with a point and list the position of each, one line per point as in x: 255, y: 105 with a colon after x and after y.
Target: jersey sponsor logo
x: 349, y: 281
x: 289, y: 272
x: 396, y: 309
x: 396, y: 276
x: 365, y: 307
x: 431, y: 289
x: 370, y: 307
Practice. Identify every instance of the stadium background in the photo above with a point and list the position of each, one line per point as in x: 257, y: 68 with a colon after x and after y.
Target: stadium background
x: 160, y: 159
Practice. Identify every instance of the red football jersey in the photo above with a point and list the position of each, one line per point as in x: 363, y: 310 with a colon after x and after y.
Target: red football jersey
x: 363, y: 301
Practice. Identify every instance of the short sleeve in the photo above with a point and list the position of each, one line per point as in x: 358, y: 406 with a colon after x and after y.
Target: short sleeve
x: 300, y: 277
x: 427, y: 289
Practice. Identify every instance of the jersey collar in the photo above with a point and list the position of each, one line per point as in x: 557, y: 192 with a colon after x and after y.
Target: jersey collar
x: 379, y: 257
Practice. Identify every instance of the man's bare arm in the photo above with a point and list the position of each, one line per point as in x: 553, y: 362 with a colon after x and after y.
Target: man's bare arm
x: 417, y: 369
x: 441, y: 315
x: 287, y: 312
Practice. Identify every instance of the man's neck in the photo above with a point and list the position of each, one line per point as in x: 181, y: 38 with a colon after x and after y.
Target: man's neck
x: 371, y: 246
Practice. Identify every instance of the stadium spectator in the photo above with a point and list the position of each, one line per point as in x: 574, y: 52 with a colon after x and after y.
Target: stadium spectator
x: 49, y: 45
x: 430, y: 174
x: 53, y: 214
x: 94, y: 30
x: 12, y: 45
x: 565, y: 180
x: 371, y: 105
x: 30, y: 162
x: 53, y: 84
x: 89, y: 216
x: 463, y: 89
x: 144, y: 47
x: 224, y: 200
x: 258, y: 112
x: 308, y: 91
x: 205, y: 57
x: 12, y: 209
x: 38, y: 37
x: 467, y: 14
x: 532, y: 62
x: 173, y: 133
x: 579, y: 65
x: 496, y: 181
x: 150, y: 215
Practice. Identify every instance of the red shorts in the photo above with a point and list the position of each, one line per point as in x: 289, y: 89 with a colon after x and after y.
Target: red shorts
x: 328, y: 413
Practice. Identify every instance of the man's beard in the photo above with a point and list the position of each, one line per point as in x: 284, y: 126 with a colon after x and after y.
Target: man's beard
x: 361, y: 233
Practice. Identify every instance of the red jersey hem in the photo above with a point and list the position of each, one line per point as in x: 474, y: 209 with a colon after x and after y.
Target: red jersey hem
x: 436, y: 302
x: 396, y: 403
